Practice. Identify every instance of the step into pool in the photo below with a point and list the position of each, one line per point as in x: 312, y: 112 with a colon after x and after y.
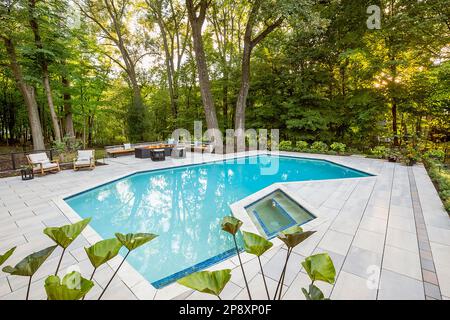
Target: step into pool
x: 185, y: 206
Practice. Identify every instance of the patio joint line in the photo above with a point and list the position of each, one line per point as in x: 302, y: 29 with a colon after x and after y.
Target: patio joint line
x: 386, y: 230
x: 430, y: 281
x: 353, y: 237
x: 316, y: 246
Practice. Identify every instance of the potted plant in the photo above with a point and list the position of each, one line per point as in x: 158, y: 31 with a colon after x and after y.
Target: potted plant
x: 26, y: 172
x: 393, y: 155
x: 410, y: 156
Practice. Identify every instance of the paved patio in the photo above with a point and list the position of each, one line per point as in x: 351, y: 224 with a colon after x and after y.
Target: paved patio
x: 388, y: 235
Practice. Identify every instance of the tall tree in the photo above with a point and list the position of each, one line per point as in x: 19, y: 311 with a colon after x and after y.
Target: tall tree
x: 225, y: 18
x: 250, y: 41
x: 197, y: 14
x: 174, y: 31
x: 43, y: 63
x: 68, y: 114
x: 111, y: 18
x: 10, y: 18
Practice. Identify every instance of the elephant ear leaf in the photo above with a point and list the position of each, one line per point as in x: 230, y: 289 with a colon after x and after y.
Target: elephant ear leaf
x: 132, y: 241
x: 6, y: 255
x: 231, y: 224
x: 315, y: 293
x: 72, y: 287
x: 320, y: 267
x: 30, y: 264
x: 65, y: 235
x: 255, y: 244
x: 306, y: 294
x: 211, y: 282
x: 294, y: 236
x: 103, y: 251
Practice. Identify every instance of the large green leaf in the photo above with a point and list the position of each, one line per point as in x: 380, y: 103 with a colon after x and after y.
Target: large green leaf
x: 6, y: 255
x: 320, y: 267
x: 294, y: 236
x: 134, y: 240
x: 314, y: 293
x: 72, y: 287
x: 255, y: 244
x: 231, y: 224
x: 211, y: 282
x: 30, y: 264
x: 65, y: 235
x: 103, y: 251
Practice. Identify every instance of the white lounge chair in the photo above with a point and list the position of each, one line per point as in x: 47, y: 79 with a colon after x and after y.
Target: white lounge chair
x: 41, y: 163
x: 84, y: 159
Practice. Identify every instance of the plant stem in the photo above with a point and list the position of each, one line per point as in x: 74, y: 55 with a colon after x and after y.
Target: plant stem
x: 282, y: 274
x: 264, y: 278
x: 242, y: 267
x: 92, y: 276
x: 107, y: 285
x: 29, y: 286
x: 60, y: 260
x: 219, y: 297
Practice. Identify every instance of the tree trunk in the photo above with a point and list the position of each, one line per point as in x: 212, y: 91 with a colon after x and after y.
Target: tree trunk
x: 136, y: 118
x: 136, y: 115
x: 28, y: 95
x: 90, y: 130
x: 225, y: 99
x: 44, y: 66
x: 239, y: 125
x: 53, y: 115
x: 394, y: 121
x: 249, y: 44
x: 69, y: 129
x: 169, y: 67
x: 200, y: 58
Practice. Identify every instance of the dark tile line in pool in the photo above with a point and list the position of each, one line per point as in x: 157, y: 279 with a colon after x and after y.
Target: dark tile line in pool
x: 202, y: 265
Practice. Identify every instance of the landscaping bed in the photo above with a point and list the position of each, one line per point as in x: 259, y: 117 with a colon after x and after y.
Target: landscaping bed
x: 440, y: 175
x: 63, y: 166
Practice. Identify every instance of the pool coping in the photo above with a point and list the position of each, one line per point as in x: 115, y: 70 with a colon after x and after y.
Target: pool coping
x: 132, y: 278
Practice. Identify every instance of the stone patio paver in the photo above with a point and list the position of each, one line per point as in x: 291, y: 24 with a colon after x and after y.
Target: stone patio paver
x: 395, y: 286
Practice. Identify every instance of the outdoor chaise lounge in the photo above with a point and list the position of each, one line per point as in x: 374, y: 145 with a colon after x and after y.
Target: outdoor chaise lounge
x: 84, y: 159
x: 41, y: 163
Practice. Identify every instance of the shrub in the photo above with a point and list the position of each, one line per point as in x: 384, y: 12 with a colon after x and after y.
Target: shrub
x: 380, y: 151
x: 410, y: 155
x: 338, y: 147
x: 434, y: 154
x: 59, y: 146
x: 441, y: 178
x: 285, y: 145
x: 301, y: 146
x: 319, y: 146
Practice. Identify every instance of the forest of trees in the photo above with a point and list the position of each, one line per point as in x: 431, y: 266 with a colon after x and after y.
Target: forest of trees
x: 112, y: 71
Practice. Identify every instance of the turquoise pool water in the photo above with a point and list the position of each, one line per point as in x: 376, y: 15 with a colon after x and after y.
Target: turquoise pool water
x: 185, y: 206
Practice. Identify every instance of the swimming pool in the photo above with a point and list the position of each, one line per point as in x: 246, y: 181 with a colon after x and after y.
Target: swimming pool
x: 185, y: 206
